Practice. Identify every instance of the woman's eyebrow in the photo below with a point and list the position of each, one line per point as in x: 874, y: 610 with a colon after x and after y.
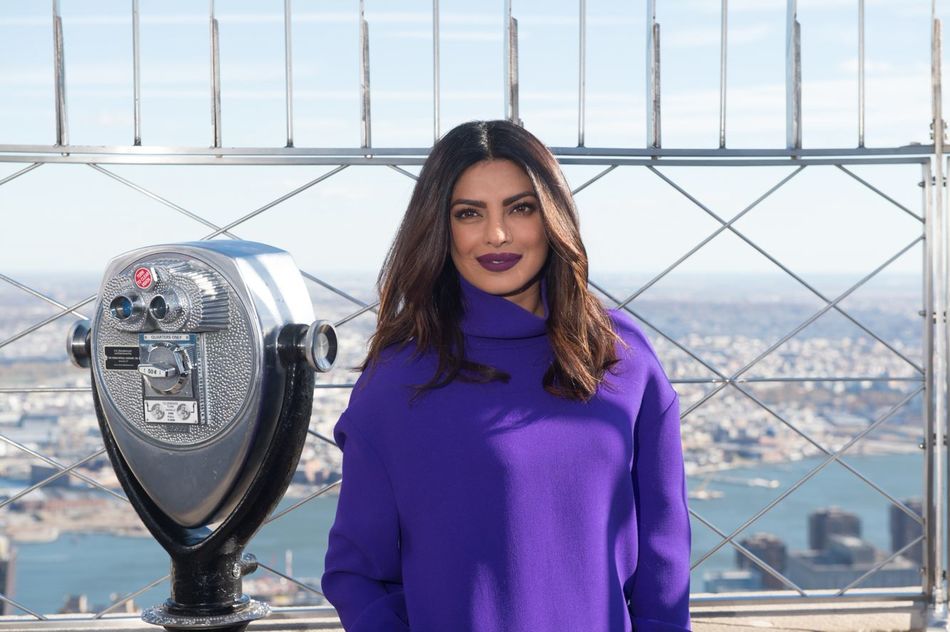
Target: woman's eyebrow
x: 504, y: 202
x: 518, y: 196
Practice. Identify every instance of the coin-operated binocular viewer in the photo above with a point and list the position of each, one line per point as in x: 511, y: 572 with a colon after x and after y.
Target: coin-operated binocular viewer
x: 202, y: 358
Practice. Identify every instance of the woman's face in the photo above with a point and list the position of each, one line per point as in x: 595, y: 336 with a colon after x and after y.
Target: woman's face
x: 498, y: 240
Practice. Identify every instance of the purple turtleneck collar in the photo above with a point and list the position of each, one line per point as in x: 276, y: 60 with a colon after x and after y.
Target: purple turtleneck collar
x: 489, y: 316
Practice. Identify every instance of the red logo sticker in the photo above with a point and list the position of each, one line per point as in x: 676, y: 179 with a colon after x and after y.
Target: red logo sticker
x: 143, y: 278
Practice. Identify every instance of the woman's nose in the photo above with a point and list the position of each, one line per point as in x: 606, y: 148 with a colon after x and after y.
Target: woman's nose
x: 497, y: 231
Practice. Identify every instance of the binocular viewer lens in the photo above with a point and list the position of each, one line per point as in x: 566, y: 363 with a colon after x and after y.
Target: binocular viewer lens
x: 123, y: 307
x: 158, y: 308
x: 164, y: 309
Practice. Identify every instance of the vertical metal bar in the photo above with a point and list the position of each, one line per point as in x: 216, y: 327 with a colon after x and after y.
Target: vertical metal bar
x: 581, y: 71
x: 513, y: 71
x: 940, y: 305
x: 136, y: 83
x: 793, y: 78
x: 860, y: 73
x: 215, y: 81
x: 723, y: 44
x: 656, y: 86
x: 288, y: 74
x: 930, y: 248
x: 436, y: 132
x: 364, y: 78
x: 940, y: 440
x: 62, y: 129
x: 653, y: 76
x: 505, y: 59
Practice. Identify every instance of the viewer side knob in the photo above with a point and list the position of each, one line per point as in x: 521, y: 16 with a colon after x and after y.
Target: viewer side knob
x: 77, y: 343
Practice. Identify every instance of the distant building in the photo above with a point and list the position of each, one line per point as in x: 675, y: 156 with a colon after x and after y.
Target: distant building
x: 831, y: 521
x: 42, y: 472
x: 846, y: 560
x: 75, y: 604
x: 904, y: 529
x: 771, y: 550
x: 836, y: 558
x: 34, y: 429
x: 849, y: 550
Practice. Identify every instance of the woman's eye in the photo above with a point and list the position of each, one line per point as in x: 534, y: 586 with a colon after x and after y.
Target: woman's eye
x: 466, y: 213
x: 523, y: 208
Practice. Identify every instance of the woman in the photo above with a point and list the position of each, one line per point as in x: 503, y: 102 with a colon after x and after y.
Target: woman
x: 511, y: 450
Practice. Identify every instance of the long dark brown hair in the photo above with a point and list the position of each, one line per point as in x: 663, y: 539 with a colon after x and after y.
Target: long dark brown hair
x: 420, y: 296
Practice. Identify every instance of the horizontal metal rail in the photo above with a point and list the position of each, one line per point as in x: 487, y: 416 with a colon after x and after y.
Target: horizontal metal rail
x: 419, y: 160
x: 171, y: 151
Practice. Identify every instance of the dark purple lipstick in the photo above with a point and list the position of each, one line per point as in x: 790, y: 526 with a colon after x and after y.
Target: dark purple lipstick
x: 498, y: 261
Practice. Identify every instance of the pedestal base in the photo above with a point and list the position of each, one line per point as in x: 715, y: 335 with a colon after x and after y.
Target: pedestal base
x: 232, y: 622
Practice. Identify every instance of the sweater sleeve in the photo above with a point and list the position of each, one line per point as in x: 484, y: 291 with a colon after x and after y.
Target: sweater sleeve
x: 362, y: 575
x: 659, y: 600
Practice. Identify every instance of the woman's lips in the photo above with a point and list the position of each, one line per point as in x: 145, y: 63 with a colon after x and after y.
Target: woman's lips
x: 499, y: 261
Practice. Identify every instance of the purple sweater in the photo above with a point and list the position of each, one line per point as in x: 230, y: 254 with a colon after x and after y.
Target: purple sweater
x: 502, y: 508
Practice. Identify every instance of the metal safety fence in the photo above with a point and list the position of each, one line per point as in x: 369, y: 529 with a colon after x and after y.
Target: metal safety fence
x: 928, y: 380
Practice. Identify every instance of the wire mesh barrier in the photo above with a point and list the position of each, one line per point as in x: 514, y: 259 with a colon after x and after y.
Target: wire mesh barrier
x: 792, y: 406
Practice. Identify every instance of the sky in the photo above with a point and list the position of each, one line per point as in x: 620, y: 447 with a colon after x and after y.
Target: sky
x: 72, y: 217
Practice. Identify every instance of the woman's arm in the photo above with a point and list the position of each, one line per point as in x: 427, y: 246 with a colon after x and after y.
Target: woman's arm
x: 659, y: 600
x: 363, y: 571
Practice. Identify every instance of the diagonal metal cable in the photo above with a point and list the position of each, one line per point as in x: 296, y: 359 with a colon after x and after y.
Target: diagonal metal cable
x: 274, y: 203
x: 315, y: 434
x: 778, y: 185
x: 910, y: 512
x: 752, y: 556
x: 802, y: 326
x: 625, y: 303
x: 208, y: 223
x: 36, y: 293
x: 47, y: 321
x: 21, y: 172
x: 881, y: 193
x: 303, y: 585
x: 132, y: 595
x: 833, y: 456
x: 594, y: 179
x: 772, y: 347
x: 812, y: 441
x: 788, y: 271
x: 60, y: 466
x: 776, y: 415
x: 404, y: 172
x: 768, y: 409
x: 49, y: 479
x: 879, y: 566
x: 19, y: 606
x: 302, y: 502
x: 359, y: 312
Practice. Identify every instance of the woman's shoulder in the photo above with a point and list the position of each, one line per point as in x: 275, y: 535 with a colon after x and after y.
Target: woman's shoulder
x: 640, y: 355
x: 628, y: 330
x: 385, y: 377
